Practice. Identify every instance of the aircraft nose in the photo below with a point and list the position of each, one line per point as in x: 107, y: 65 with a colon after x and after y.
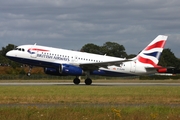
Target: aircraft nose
x: 8, y: 54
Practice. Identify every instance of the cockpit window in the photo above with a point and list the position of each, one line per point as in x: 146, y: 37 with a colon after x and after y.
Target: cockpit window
x: 16, y: 49
x: 19, y: 49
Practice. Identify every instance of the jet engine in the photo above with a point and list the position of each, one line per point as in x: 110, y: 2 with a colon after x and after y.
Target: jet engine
x: 64, y: 69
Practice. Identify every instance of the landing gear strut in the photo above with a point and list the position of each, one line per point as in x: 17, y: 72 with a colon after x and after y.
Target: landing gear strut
x: 88, y: 80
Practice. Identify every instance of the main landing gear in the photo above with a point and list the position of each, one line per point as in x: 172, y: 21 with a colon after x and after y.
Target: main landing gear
x: 76, y: 81
x: 87, y: 81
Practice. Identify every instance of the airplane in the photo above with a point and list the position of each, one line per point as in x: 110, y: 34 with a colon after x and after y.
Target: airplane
x: 62, y: 62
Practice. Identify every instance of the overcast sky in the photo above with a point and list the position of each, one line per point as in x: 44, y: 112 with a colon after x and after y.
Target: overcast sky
x: 71, y: 24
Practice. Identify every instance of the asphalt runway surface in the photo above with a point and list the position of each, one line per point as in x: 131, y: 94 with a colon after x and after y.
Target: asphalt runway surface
x: 93, y: 84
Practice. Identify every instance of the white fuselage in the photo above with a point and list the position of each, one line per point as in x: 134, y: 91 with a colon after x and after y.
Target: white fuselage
x: 36, y: 55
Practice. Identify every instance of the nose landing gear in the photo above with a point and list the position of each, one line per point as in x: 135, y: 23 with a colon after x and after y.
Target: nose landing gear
x: 29, y: 72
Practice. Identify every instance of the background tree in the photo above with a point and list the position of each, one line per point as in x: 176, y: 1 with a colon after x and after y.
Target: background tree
x: 114, y: 49
x: 109, y: 48
x: 131, y: 56
x: 168, y: 59
x: 91, y: 48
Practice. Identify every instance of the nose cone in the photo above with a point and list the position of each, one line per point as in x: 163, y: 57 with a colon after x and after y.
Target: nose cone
x: 12, y: 55
x: 9, y: 54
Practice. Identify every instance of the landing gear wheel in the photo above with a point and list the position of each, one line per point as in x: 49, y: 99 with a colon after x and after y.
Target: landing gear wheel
x: 88, y: 81
x: 76, y: 81
x: 28, y: 74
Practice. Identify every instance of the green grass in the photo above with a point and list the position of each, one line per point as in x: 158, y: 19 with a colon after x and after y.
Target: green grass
x: 90, y: 94
x: 89, y: 102
x: 90, y: 113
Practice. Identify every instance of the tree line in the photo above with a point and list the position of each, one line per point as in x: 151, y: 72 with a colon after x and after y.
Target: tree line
x: 167, y: 59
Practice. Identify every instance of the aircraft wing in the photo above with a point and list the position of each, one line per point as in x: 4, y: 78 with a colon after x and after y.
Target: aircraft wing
x: 94, y: 66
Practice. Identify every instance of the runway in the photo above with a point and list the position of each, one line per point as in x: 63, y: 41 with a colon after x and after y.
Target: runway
x: 93, y: 84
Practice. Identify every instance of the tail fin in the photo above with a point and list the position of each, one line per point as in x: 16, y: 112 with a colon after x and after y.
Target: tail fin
x: 151, y: 54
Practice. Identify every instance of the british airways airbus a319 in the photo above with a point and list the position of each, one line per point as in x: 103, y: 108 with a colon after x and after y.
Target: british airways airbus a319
x: 64, y: 62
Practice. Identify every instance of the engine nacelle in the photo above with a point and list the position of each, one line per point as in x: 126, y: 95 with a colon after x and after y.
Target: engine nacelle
x: 71, y: 70
x: 64, y: 69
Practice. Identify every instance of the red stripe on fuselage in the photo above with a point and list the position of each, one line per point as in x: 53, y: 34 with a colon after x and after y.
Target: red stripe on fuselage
x: 36, y: 49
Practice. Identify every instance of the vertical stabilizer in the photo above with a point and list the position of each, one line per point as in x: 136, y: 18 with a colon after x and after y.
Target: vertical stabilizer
x: 151, y: 54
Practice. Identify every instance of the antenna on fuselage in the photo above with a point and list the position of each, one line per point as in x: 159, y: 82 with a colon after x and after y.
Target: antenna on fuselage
x: 34, y: 43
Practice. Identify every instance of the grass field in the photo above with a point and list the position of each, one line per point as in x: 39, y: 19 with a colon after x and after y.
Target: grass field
x: 89, y: 102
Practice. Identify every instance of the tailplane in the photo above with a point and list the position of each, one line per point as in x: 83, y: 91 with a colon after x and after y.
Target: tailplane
x: 151, y: 54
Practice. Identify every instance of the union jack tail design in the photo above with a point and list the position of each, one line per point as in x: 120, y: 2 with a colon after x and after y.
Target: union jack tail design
x: 151, y: 54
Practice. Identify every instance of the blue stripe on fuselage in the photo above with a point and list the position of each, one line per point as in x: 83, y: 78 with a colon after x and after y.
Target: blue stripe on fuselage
x: 110, y: 73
